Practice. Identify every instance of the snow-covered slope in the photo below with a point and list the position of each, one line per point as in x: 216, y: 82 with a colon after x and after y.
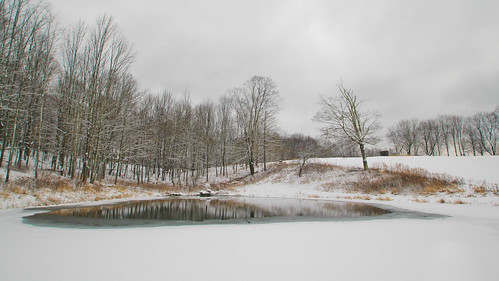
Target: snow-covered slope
x: 475, y: 169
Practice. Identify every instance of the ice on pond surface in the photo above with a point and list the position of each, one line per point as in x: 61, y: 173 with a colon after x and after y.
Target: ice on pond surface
x: 178, y: 211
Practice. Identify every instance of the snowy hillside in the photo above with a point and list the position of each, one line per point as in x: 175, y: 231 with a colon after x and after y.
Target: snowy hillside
x: 473, y: 169
x: 472, y: 173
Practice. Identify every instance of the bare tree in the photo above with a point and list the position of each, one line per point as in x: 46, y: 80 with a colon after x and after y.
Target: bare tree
x: 254, y: 104
x: 299, y: 146
x: 429, y: 131
x: 225, y: 129
x: 204, y: 130
x: 477, y: 134
x: 107, y: 58
x: 445, y: 132
x: 26, y: 67
x: 484, y: 130
x: 456, y: 126
x: 69, y: 97
x: 405, y: 136
x: 346, y: 121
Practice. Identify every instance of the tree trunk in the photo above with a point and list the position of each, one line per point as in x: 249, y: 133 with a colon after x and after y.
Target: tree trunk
x: 37, y: 157
x: 252, y: 167
x: 12, y: 143
x: 301, y: 167
x: 364, y: 158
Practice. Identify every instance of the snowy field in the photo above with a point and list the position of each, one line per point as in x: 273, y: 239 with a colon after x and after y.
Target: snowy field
x: 472, y: 169
x: 462, y: 246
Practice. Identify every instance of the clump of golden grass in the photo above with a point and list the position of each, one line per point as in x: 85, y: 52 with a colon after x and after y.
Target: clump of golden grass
x: 362, y: 197
x: 420, y: 200
x: 225, y: 185
x: 402, y: 179
x: 19, y: 190
x: 479, y: 190
x: 4, y: 195
x: 329, y: 186
x: 27, y: 185
x: 49, y: 181
x: 320, y: 168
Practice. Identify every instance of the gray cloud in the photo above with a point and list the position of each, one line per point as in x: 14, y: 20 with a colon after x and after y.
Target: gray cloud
x: 407, y: 58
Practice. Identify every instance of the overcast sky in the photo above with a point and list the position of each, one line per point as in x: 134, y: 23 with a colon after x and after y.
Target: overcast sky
x: 408, y: 59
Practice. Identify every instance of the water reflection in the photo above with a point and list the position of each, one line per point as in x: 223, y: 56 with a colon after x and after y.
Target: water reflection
x: 197, y: 209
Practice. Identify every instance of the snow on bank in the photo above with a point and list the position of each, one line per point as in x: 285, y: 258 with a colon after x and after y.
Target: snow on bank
x: 315, y: 185
x: 461, y: 246
x: 476, y: 170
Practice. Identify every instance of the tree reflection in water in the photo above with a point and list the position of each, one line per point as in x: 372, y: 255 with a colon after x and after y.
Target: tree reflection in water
x: 193, y: 209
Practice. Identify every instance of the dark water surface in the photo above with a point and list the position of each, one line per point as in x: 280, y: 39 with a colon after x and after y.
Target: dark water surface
x: 192, y: 210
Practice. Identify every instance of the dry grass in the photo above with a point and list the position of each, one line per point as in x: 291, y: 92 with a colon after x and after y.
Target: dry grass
x: 330, y: 186
x: 320, y: 168
x: 479, y: 190
x: 420, y: 200
x: 345, y: 197
x: 362, y: 197
x: 19, y: 190
x: 401, y: 179
x: 157, y: 187
x: 276, y: 172
x: 49, y: 181
x: 4, y: 195
x: 225, y: 185
x: 52, y: 189
x: 383, y: 198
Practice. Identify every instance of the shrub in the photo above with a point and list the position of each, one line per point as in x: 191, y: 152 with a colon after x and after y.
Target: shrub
x: 479, y: 189
x: 320, y: 168
x: 403, y: 179
x: 420, y: 200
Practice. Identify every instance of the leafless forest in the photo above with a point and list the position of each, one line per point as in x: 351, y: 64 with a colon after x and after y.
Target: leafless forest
x: 447, y: 135
x: 70, y: 104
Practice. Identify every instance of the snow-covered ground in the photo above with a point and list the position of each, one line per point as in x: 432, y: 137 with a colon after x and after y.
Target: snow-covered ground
x: 462, y: 246
x: 476, y: 170
x: 473, y: 172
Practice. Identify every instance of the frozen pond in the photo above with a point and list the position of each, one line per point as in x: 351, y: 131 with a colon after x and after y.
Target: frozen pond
x: 192, y: 210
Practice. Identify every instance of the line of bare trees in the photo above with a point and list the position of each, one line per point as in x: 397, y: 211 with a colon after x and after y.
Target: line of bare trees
x: 448, y: 135
x: 69, y: 102
x: 27, y: 66
x: 170, y: 139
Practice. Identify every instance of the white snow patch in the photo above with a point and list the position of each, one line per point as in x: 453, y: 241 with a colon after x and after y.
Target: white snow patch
x: 474, y: 169
x: 461, y: 247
